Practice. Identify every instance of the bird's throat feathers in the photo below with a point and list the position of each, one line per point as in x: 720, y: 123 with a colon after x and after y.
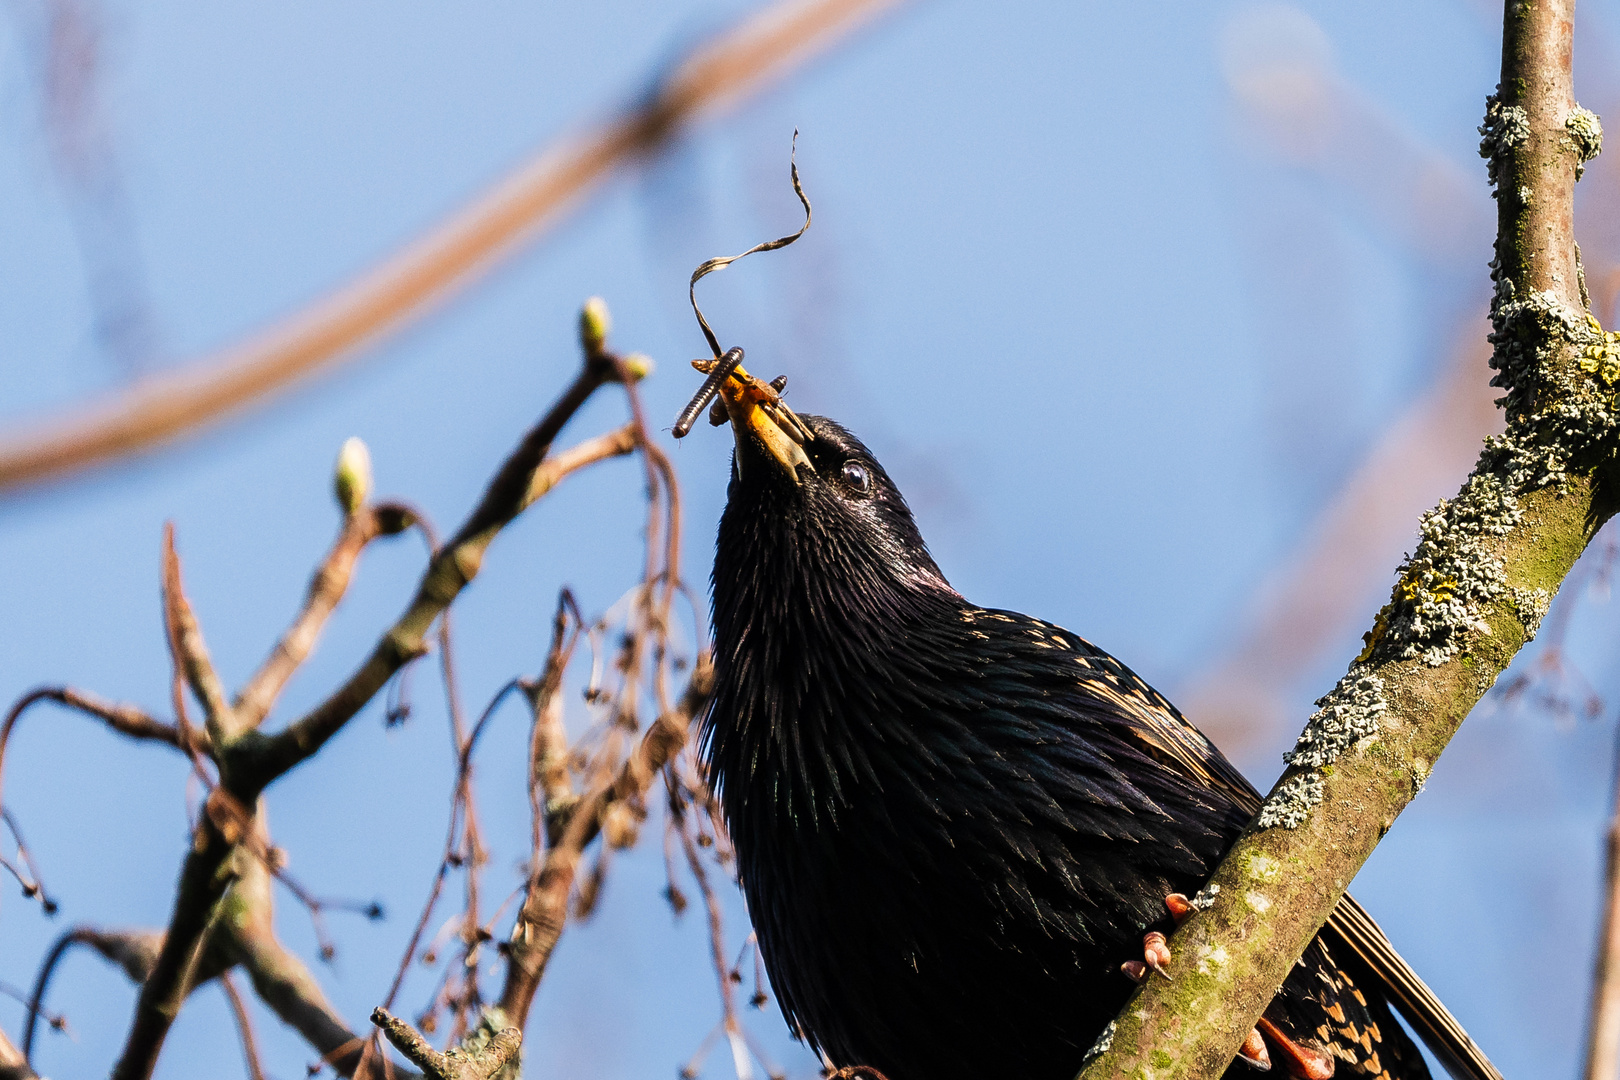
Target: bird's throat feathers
x: 812, y: 611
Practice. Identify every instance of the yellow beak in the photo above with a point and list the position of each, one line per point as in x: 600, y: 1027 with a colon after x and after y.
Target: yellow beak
x: 758, y: 415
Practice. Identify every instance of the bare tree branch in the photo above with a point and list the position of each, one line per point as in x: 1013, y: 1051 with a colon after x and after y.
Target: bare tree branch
x: 280, y: 978
x: 124, y: 719
x: 190, y: 651
x: 250, y: 761
x: 1468, y: 598
x: 326, y: 589
x: 522, y: 479
x: 545, y: 907
x: 447, y: 258
x: 133, y: 950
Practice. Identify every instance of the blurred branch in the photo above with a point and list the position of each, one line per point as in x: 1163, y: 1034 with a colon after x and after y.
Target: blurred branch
x: 448, y: 257
x: 13, y: 1066
x: 1468, y: 599
x: 124, y: 719
x: 1308, y: 602
x: 1603, y: 1035
x: 244, y: 1027
x: 135, y: 951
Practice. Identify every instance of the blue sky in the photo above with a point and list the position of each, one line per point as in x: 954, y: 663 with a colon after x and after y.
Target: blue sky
x: 1116, y: 337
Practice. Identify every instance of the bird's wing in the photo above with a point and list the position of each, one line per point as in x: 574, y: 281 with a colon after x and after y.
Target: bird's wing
x: 1156, y: 724
x: 1162, y: 731
x: 1433, y: 1022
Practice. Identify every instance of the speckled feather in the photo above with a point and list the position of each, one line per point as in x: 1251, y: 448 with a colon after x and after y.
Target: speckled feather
x: 953, y: 824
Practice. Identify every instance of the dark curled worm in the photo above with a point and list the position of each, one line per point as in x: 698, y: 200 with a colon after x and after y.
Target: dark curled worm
x: 711, y: 386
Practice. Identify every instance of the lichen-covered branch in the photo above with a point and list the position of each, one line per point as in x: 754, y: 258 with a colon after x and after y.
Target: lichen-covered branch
x: 1467, y: 599
x: 463, y: 1063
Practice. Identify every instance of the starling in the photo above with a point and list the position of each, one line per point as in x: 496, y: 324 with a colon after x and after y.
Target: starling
x: 955, y: 825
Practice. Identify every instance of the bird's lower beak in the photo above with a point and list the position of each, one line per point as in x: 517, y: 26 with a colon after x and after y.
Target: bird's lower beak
x: 762, y: 425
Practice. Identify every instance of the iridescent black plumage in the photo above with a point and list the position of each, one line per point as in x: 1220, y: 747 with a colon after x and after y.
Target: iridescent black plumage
x: 953, y: 824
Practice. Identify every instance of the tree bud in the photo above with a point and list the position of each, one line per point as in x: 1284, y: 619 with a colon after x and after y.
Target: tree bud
x: 352, y: 479
x: 594, y: 324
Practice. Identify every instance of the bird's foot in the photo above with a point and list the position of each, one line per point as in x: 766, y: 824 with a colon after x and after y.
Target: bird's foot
x: 1300, y: 1062
x: 1180, y: 907
x: 854, y: 1072
x: 1155, y: 958
x: 1254, y: 1053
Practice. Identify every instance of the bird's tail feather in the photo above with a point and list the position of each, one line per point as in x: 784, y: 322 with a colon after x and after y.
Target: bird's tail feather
x: 1431, y: 1020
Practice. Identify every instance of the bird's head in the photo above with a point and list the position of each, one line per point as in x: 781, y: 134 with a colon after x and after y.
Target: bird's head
x: 812, y: 520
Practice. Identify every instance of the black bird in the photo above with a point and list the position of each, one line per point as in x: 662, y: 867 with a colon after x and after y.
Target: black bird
x: 954, y: 825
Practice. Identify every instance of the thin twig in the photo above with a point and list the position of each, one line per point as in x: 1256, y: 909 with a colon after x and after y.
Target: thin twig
x: 551, y: 786
x: 124, y: 719
x: 545, y: 908
x: 190, y: 651
x: 135, y: 951
x: 33, y: 883
x: 1603, y: 1032
x: 326, y: 589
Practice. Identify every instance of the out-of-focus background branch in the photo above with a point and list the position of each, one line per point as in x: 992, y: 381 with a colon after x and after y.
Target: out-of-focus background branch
x: 1275, y: 331
x: 402, y: 288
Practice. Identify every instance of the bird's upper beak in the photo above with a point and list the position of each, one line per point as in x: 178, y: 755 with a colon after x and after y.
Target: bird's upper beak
x: 761, y: 424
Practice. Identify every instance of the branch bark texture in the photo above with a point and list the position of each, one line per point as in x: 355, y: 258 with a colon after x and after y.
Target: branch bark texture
x: 1466, y: 601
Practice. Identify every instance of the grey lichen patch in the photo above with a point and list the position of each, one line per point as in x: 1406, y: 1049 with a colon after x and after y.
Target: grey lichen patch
x: 1291, y: 802
x: 1505, y: 127
x: 1205, y: 899
x: 1445, y: 583
x: 1530, y: 605
x: 1103, y: 1043
x: 1344, y: 716
x: 1561, y: 416
x: 1585, y: 137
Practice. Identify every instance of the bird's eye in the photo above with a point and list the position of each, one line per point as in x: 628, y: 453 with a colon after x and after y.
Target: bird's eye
x: 858, y: 477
